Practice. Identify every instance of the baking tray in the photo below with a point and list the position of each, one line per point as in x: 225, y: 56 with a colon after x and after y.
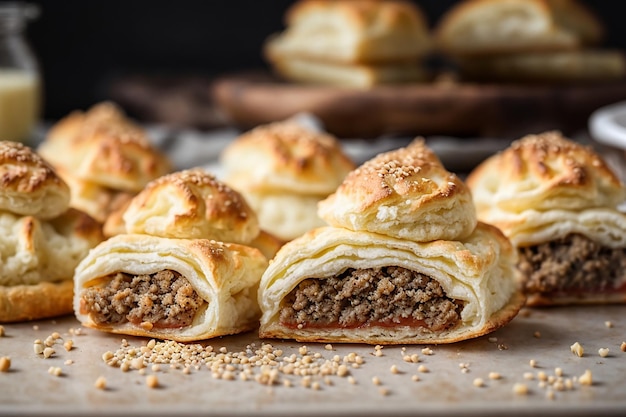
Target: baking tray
x: 448, y: 388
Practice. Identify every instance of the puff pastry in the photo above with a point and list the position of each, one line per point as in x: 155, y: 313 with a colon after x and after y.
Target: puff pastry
x: 478, y: 27
x: 41, y: 241
x: 170, y: 274
x: 102, y: 153
x: 361, y: 282
x: 556, y: 200
x: 177, y: 289
x: 283, y: 170
x: 351, y: 43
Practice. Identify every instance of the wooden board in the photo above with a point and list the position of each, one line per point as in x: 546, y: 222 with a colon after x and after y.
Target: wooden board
x: 458, y: 109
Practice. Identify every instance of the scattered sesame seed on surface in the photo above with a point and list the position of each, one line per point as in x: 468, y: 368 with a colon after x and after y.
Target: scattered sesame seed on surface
x: 586, y: 378
x: 415, y: 378
x: 532, y: 363
x: 478, y: 382
x: 623, y: 347
x: 608, y: 324
x: 603, y: 352
x: 537, y: 335
x: 558, y: 371
x: 577, y: 349
x: 422, y: 369
x: 2, y: 331
x: 427, y: 351
x: 520, y: 389
x: 529, y: 376
x: 494, y: 375
x: 5, y: 363
x: 48, y: 352
x: 101, y: 383
x: 152, y: 381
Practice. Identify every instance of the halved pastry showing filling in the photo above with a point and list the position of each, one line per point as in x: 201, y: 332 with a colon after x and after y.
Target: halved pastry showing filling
x: 338, y: 285
x: 178, y: 289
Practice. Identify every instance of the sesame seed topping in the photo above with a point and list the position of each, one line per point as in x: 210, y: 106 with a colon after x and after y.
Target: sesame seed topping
x: 577, y: 349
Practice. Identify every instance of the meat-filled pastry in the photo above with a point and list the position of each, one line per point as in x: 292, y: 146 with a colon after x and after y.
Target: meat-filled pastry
x: 557, y: 202
x: 172, y: 275
x: 42, y: 240
x: 101, y: 153
x: 409, y: 279
x: 283, y: 170
x: 177, y: 289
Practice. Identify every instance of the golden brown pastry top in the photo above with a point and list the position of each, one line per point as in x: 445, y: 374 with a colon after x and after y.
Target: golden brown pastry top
x: 286, y: 157
x: 405, y: 193
x: 474, y: 27
x: 352, y: 31
x: 29, y: 185
x: 574, y: 16
x: 543, y: 172
x: 104, y: 147
x: 191, y: 204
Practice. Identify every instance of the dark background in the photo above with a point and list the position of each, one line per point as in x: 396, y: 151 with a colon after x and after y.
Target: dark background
x: 85, y: 46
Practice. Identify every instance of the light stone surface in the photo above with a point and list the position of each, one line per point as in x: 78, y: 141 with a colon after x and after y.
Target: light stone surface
x: 447, y: 388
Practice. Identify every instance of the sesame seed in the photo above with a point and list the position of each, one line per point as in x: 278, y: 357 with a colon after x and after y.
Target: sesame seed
x: 328, y: 347
x: 5, y: 363
x: 352, y: 380
x: 494, y: 375
x: 537, y: 335
x: 2, y: 331
x: 376, y: 380
x: 394, y: 369
x: 422, y: 368
x: 623, y: 347
x: 532, y: 363
x: 520, y: 389
x: 47, y: 352
x: 55, y: 370
x: 577, y: 349
x: 68, y: 345
x: 101, y: 383
x: 478, y: 382
x: 604, y: 352
x: 586, y: 378
x: 384, y: 391
x: 415, y: 378
x: 493, y: 339
x: 558, y: 371
x: 529, y: 376
x: 550, y: 395
x: 68, y: 362
x: 427, y: 351
x: 152, y: 381
x: 38, y: 347
x: 608, y: 324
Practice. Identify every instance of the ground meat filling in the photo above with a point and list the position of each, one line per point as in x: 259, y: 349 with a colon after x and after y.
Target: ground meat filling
x: 572, y: 264
x: 164, y: 299
x: 379, y: 296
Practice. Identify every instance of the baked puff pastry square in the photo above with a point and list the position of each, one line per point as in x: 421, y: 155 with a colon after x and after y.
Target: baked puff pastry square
x: 42, y: 239
x: 557, y: 201
x: 103, y: 156
x: 388, y: 270
x: 283, y: 170
x: 175, y: 273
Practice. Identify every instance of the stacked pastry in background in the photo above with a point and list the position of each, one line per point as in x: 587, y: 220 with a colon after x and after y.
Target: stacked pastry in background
x: 283, y: 170
x: 42, y: 238
x: 104, y: 157
x: 527, y: 40
x: 175, y: 273
x: 404, y: 260
x: 351, y: 43
x: 557, y: 201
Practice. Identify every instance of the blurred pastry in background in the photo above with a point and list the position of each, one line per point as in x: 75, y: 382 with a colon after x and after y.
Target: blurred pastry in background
x: 283, y: 170
x: 527, y: 40
x: 351, y: 43
x: 175, y: 274
x: 42, y: 241
x: 104, y: 157
x: 557, y: 201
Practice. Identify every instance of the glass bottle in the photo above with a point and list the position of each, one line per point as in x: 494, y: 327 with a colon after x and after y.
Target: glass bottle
x: 20, y: 80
